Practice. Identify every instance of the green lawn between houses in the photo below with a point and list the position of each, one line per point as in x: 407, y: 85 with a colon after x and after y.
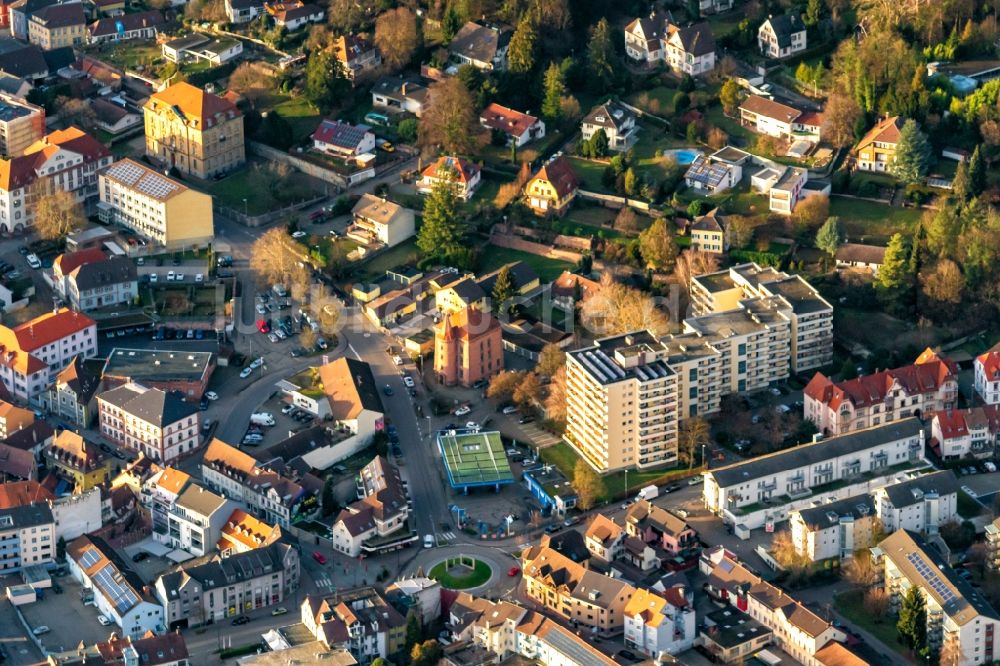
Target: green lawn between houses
x: 872, y: 222
x: 564, y: 457
x: 548, y: 269
x: 851, y: 606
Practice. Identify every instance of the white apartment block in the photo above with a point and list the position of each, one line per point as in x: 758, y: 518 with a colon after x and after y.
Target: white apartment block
x: 196, y: 519
x: 800, y: 472
x: 956, y: 612
x: 33, y: 353
x: 929, y: 385
x: 833, y: 530
x: 658, y: 623
x: 622, y: 403
x: 162, y: 425
x: 811, y: 316
x: 921, y: 504
x: 158, y: 208
x: 65, y: 160
x: 986, y: 369
x: 958, y: 433
x: 27, y: 537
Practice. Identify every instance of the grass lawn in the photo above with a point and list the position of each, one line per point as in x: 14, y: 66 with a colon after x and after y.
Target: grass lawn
x: 547, y: 269
x: 460, y: 578
x: 300, y: 114
x: 590, y: 174
x: 851, y: 606
x: 652, y: 141
x: 715, y: 117
x: 564, y: 457
x: 658, y: 101
x: 232, y: 190
x: 867, y: 221
x: 401, y: 255
x: 591, y: 220
x: 129, y: 54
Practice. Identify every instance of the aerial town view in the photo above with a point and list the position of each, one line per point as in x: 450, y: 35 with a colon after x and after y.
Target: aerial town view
x: 481, y: 332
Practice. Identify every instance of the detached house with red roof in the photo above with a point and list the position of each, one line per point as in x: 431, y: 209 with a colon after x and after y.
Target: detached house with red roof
x: 877, y: 148
x: 519, y: 128
x: 340, y: 139
x: 765, y: 116
x: 553, y: 188
x: 66, y: 160
x: 930, y: 384
x: 957, y: 433
x: 986, y: 368
x: 462, y: 173
x: 468, y: 347
x: 33, y: 353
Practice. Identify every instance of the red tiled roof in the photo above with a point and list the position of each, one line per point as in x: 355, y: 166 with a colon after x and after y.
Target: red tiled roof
x: 885, y: 131
x: 506, y: 120
x: 770, y: 109
x: 559, y: 172
x: 194, y: 103
x: 20, y: 493
x: 991, y: 363
x: 47, y: 328
x: 926, y: 375
x: 67, y: 263
x: 463, y: 169
x: 811, y: 118
x: 20, y: 171
x: 956, y: 423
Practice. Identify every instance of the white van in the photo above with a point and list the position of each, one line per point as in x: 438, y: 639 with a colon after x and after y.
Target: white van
x: 33, y: 261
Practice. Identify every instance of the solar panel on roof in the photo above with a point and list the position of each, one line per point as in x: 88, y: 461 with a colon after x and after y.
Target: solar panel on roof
x: 110, y: 581
x: 932, y: 578
x: 89, y: 558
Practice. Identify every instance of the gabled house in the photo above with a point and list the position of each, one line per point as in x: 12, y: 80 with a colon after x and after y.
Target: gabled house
x: 356, y: 620
x: 468, y: 347
x: 377, y: 520
x: 858, y: 255
x: 243, y: 11
x: 765, y: 116
x: 89, y: 279
x: 357, y: 56
x: 986, y: 370
x: 709, y: 234
x: 604, y: 538
x: 114, y: 119
x: 141, y: 25
x: 921, y: 504
x: 690, y: 50
x: 294, y: 14
x: 660, y: 528
x: 959, y: 433
x: 781, y: 36
x: 833, y: 530
x: 73, y: 395
x: 929, y: 385
x: 79, y: 462
x: 553, y: 188
x: 159, y: 423
x: 484, y: 46
x: 464, y: 175
x: 341, y: 139
x: 617, y: 122
x: 659, y: 623
x: 876, y: 151
x: 460, y: 294
x: 519, y: 128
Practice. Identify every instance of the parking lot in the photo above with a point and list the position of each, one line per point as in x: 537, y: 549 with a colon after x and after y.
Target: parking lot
x: 285, y: 424
x: 68, y: 620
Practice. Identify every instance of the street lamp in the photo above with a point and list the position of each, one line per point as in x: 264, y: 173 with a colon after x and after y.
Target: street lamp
x: 246, y: 209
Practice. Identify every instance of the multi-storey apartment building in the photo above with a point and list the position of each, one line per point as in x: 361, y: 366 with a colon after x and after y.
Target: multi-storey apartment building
x: 795, y: 629
x: 929, y: 385
x: 27, y: 536
x: 959, y: 619
x: 811, y: 316
x: 66, y: 160
x: 162, y: 425
x: 802, y: 470
x: 574, y: 592
x: 468, y: 347
x: 88, y: 279
x: 72, y: 396
x: 658, y: 623
x: 21, y: 124
x: 58, y: 26
x: 158, y: 494
x: 379, y: 513
x: 243, y: 532
x: 359, y: 621
x: 211, y: 588
x: 159, y: 208
x: 621, y: 403
x: 504, y: 629
x: 833, y: 530
x: 986, y: 371
x: 957, y: 433
x: 194, y: 131
x: 196, y: 519
x: 921, y: 504
x: 32, y: 353
x: 80, y: 462
x: 271, y: 496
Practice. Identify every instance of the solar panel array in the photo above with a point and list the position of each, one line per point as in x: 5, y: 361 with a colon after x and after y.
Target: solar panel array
x: 89, y: 558
x: 143, y: 180
x: 932, y: 578
x: 115, y: 589
x: 343, y: 135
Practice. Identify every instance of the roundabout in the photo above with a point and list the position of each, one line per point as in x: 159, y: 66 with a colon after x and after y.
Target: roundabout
x: 461, y: 572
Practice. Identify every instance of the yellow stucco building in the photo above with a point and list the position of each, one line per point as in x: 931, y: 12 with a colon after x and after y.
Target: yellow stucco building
x: 78, y: 461
x: 159, y: 208
x: 195, y: 131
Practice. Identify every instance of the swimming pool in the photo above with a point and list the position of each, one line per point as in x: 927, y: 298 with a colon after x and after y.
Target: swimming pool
x: 684, y: 156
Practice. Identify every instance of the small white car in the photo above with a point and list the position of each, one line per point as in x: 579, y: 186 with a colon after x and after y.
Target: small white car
x: 35, y: 263
x: 153, y: 277
x: 472, y: 425
x: 510, y: 409
x: 408, y: 382
x: 245, y: 373
x: 211, y: 395
x: 199, y: 277
x: 261, y: 309
x: 170, y: 276
x: 299, y: 234
x: 103, y: 621
x: 257, y: 362
x: 463, y: 410
x: 397, y: 359
x: 428, y: 541
x: 39, y: 630
x: 774, y: 391
x: 179, y: 277
x: 287, y: 408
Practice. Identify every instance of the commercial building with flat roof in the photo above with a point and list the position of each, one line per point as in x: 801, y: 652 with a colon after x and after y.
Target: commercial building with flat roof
x: 186, y: 372
x: 474, y: 459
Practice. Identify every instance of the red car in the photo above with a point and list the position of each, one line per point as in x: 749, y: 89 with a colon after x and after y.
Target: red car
x: 263, y: 326
x: 318, y: 556
x: 513, y: 571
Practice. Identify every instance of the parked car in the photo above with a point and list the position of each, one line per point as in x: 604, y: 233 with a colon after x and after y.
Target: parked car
x: 35, y: 263
x: 319, y: 557
x: 428, y: 541
x: 513, y: 571
x: 281, y: 610
x: 242, y: 619
x: 510, y: 409
x: 246, y: 372
x: 408, y: 382
x: 39, y: 630
x: 103, y: 621
x: 463, y: 410
x: 212, y: 395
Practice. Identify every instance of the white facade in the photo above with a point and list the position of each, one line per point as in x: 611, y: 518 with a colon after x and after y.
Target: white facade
x: 919, y: 505
x: 34, y: 352
x: 987, y: 377
x: 77, y: 514
x: 161, y: 441
x: 27, y: 537
x: 781, y: 42
x: 672, y: 630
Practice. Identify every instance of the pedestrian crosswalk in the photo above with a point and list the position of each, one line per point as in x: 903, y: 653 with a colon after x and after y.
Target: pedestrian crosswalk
x: 447, y: 536
x: 323, y: 581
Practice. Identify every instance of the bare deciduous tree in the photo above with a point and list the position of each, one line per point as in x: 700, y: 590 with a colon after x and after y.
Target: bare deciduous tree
x: 251, y: 81
x: 617, y: 309
x: 396, y: 37
x: 57, y: 212
x: 278, y: 259
x: 876, y: 603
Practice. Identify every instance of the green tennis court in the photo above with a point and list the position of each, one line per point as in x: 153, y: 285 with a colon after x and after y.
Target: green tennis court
x: 474, y: 459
